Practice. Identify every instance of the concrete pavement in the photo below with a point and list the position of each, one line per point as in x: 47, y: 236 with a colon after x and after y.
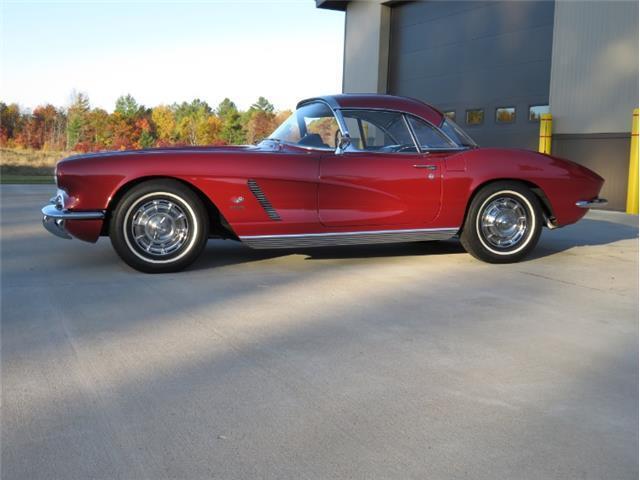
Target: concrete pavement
x: 398, y: 361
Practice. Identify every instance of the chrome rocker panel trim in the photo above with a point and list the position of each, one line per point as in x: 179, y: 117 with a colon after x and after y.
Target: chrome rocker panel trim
x: 53, y: 219
x: 347, y: 238
x: 594, y: 202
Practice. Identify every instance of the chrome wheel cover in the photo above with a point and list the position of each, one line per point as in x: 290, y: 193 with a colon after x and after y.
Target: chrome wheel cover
x: 159, y: 227
x: 504, y: 222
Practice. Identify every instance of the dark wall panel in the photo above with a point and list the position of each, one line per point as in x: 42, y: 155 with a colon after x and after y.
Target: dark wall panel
x: 605, y: 154
x: 464, y: 55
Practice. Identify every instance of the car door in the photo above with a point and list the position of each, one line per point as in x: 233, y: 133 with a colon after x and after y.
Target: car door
x: 381, y: 180
x: 379, y: 189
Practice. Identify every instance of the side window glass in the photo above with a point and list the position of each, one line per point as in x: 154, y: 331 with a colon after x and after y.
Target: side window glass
x: 429, y: 137
x: 378, y: 131
x: 455, y: 133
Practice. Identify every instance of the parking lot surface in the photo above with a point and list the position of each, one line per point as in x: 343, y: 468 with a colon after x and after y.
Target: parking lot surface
x: 390, y: 362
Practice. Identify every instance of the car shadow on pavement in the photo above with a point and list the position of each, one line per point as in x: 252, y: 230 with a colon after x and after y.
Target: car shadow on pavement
x: 587, y: 232
x: 221, y: 253
x: 443, y: 247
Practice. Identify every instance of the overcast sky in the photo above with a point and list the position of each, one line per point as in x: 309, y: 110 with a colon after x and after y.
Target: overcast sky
x: 162, y: 52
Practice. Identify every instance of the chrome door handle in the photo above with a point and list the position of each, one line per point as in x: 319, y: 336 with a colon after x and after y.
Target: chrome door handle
x: 428, y: 167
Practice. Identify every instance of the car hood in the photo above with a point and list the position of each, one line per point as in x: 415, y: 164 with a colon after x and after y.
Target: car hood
x: 167, y: 150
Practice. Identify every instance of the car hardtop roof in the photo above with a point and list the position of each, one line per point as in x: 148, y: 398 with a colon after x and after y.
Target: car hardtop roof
x: 379, y: 101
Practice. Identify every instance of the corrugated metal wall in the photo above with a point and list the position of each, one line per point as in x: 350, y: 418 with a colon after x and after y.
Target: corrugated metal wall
x: 594, y: 88
x: 594, y: 71
x: 464, y: 55
x: 606, y: 154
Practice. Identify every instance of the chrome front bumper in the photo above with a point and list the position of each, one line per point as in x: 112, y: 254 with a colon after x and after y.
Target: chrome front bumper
x: 593, y: 203
x: 54, y: 216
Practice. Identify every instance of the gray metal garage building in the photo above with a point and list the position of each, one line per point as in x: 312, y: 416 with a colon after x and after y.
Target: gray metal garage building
x: 496, y: 66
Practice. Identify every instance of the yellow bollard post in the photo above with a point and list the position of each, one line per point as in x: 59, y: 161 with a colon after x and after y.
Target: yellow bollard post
x: 632, y: 189
x: 544, y: 145
x: 543, y: 134
x: 549, y: 133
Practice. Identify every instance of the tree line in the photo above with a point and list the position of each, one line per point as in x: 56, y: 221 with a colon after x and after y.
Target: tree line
x: 132, y: 126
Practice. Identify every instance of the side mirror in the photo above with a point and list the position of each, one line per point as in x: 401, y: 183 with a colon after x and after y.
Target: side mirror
x: 343, y: 144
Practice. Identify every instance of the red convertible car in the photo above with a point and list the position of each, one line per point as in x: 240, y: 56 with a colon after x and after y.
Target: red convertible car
x: 342, y: 170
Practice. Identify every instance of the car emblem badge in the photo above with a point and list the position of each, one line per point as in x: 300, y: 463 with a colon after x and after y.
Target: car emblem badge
x: 238, y: 199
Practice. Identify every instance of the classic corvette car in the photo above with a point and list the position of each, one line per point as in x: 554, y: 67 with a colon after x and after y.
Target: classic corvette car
x: 342, y: 170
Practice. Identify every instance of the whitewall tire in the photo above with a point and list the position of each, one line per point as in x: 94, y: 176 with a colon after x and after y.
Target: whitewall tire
x: 159, y: 226
x: 503, y: 223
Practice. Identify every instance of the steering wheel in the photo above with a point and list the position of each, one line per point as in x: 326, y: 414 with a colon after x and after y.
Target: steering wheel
x: 406, y: 148
x: 336, y: 138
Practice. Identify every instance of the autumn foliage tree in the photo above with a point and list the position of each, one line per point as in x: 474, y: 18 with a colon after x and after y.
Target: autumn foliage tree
x: 232, y: 131
x: 77, y: 119
x: 10, y: 122
x: 133, y: 126
x: 98, y: 133
x: 44, y: 128
x: 261, y: 120
x: 260, y: 125
x: 164, y: 119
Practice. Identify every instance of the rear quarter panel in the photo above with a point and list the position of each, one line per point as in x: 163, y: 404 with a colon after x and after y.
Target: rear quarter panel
x: 563, y: 182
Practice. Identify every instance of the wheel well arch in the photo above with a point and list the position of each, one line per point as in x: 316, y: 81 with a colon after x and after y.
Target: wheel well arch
x: 547, y: 210
x: 218, y: 224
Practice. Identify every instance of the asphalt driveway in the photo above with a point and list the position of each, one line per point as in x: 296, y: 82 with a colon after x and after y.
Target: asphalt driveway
x: 401, y: 361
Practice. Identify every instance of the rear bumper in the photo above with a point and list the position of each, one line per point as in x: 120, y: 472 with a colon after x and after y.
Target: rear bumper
x: 54, y: 218
x: 593, y: 203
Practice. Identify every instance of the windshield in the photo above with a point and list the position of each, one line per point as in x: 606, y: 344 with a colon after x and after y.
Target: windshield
x: 311, y: 126
x: 456, y: 134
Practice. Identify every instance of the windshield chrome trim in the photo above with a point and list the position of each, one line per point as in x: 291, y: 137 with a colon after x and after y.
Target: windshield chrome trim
x: 411, y: 133
x: 333, y: 106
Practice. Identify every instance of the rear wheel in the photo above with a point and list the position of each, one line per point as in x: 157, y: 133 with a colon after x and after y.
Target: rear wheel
x: 503, y: 223
x: 159, y: 226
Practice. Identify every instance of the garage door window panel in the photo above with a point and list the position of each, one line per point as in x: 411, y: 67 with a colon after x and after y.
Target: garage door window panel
x: 475, y: 117
x: 536, y: 112
x: 505, y: 115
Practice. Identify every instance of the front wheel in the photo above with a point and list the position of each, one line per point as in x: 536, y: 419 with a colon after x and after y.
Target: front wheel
x: 159, y: 226
x: 503, y: 223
